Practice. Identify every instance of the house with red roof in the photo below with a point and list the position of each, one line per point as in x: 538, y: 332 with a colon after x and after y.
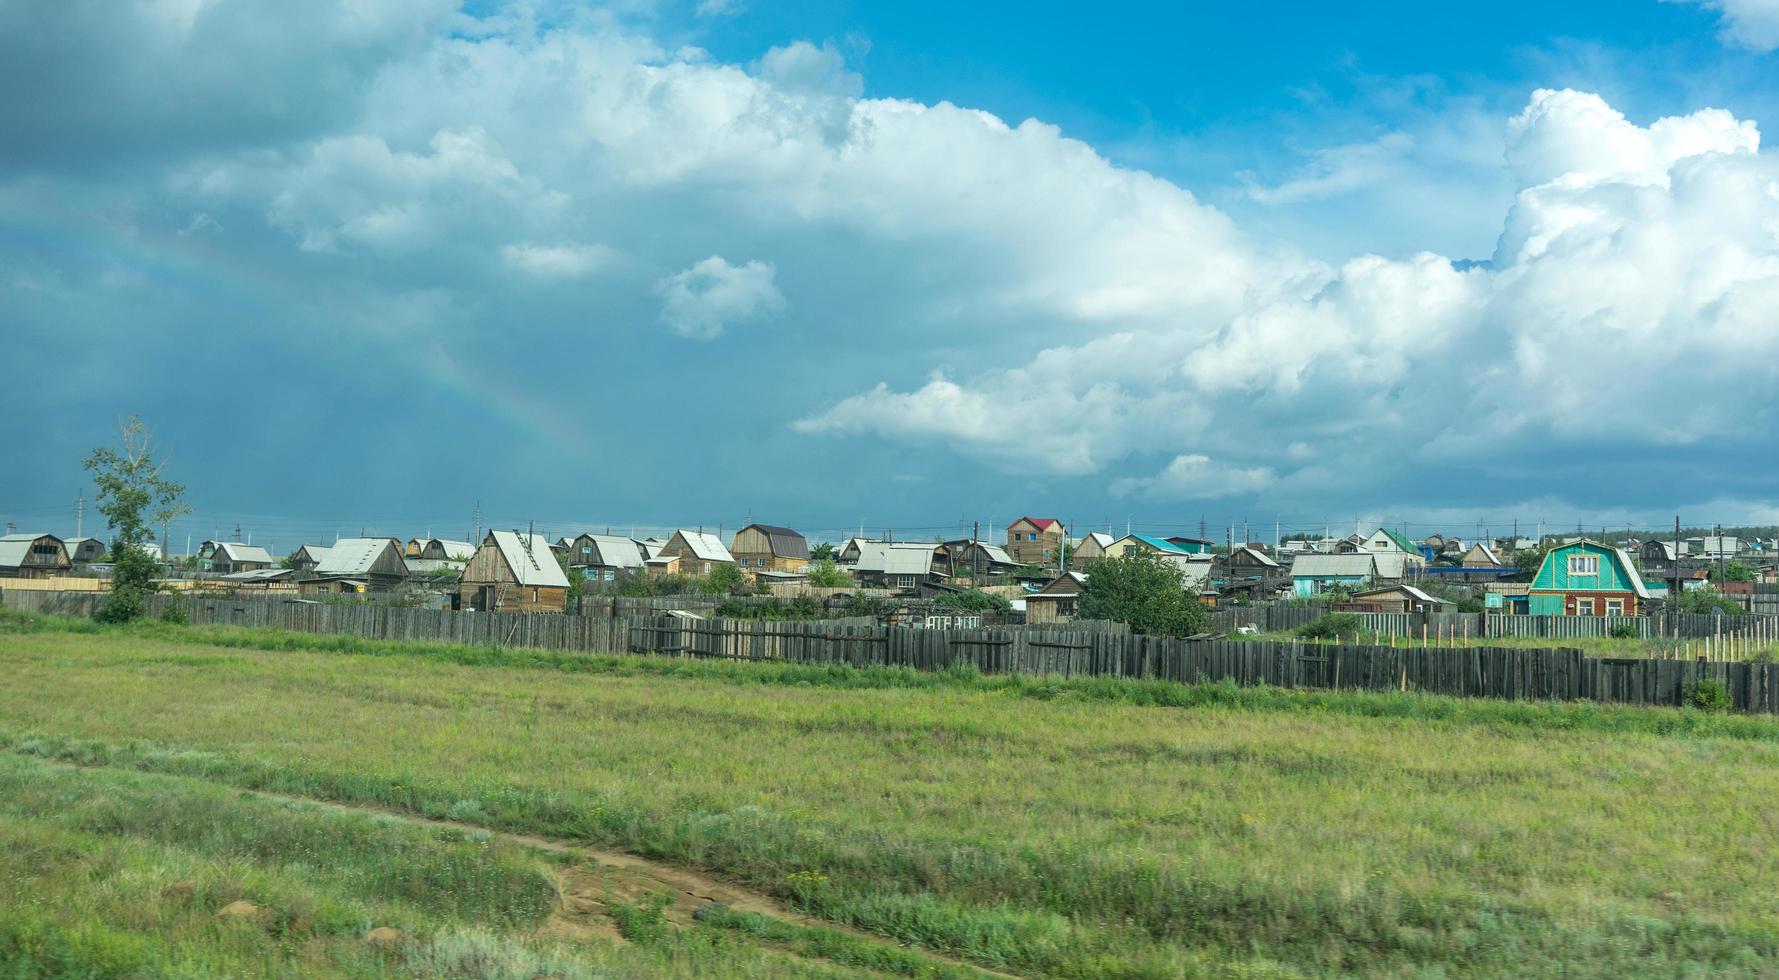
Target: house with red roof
x: 1036, y: 540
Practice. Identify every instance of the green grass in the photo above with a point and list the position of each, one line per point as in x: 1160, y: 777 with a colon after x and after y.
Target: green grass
x: 1093, y: 828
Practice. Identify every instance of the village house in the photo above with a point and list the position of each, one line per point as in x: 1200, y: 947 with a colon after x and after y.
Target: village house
x: 233, y: 556
x: 513, y: 572
x: 33, y: 556
x: 1089, y: 549
x: 1058, y: 601
x: 1192, y: 546
x: 414, y: 548
x: 445, y: 549
x: 1149, y: 545
x: 84, y: 551
x: 1036, y: 540
x: 1394, y: 599
x: 899, y: 566
x: 1250, y: 562
x: 1584, y: 578
x: 1480, y: 555
x: 691, y: 553
x: 767, y: 547
x: 377, y: 562
x: 1313, y: 575
x: 604, y: 557
x: 965, y: 557
x: 304, y: 559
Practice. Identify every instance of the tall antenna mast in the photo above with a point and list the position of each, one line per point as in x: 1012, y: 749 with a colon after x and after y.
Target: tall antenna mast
x: 478, y: 522
x: 80, y: 514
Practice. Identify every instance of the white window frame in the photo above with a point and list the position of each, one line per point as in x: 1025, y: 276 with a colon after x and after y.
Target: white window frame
x: 1584, y: 565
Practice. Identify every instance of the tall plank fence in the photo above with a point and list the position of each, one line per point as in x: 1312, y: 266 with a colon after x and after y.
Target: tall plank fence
x: 1064, y: 650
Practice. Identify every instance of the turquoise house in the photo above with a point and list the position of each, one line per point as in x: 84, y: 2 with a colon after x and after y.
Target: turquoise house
x: 1584, y: 578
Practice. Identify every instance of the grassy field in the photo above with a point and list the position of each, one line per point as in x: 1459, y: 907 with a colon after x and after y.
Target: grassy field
x: 1098, y: 828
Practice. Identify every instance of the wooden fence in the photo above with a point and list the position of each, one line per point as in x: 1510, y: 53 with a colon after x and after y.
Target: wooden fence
x: 1284, y: 618
x: 1050, y: 650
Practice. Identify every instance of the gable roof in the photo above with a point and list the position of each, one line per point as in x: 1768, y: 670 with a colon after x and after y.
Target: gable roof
x: 703, y: 545
x: 355, y: 556
x: 1488, y: 553
x: 1041, y: 523
x: 1100, y: 538
x: 784, y: 542
x: 896, y: 559
x: 1255, y: 554
x: 237, y: 552
x: 1413, y: 592
x: 530, y: 558
x: 316, y: 552
x: 1362, y: 565
x: 1398, y: 539
x: 1159, y: 544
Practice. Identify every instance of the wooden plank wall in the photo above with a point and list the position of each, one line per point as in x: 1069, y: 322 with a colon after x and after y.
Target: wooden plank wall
x: 1049, y: 651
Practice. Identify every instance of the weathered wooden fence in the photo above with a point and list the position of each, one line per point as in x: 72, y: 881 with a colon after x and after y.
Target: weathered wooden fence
x: 1287, y: 617
x: 1050, y: 650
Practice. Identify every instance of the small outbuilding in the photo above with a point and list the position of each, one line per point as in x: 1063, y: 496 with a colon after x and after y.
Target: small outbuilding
x: 33, y: 556
x: 513, y: 572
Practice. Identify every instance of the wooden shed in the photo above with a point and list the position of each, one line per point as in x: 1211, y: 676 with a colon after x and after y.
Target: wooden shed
x: 1035, y: 540
x: 513, y: 572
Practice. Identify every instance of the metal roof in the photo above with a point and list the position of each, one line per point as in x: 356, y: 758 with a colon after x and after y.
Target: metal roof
x: 454, y: 550
x: 1041, y: 523
x: 316, y: 552
x: 1158, y: 544
x: 15, y: 548
x: 1255, y: 553
x: 259, y: 575
x: 703, y: 545
x: 235, y: 551
x: 1100, y: 538
x: 353, y: 556
x: 785, y: 543
x: 1362, y: 565
x: 896, y: 559
x: 530, y: 558
x: 618, y: 552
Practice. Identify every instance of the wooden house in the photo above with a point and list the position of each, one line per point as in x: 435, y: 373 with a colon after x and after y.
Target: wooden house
x: 378, y: 562
x: 1090, y: 549
x: 1191, y: 546
x: 233, y: 556
x: 1035, y: 541
x: 1058, y: 601
x: 304, y: 560
x: 513, y: 572
x: 1394, y: 599
x: 696, y: 552
x: 1481, y: 555
x: 415, y: 548
x: 605, y: 557
x: 1250, y: 562
x: 899, y: 566
x: 84, y: 551
x: 966, y: 557
x: 1583, y: 578
x: 769, y: 548
x: 1315, y: 574
x: 444, y: 549
x: 33, y: 556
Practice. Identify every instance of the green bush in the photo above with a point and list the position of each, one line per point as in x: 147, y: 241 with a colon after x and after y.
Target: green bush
x: 774, y: 610
x: 121, y: 605
x: 1708, y: 694
x: 1145, y: 591
x: 973, y: 600
x: 1625, y: 631
x: 644, y: 922
x: 824, y: 574
x: 1332, y: 625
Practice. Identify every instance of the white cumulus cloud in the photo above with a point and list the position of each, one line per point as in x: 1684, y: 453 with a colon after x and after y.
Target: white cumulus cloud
x: 555, y: 261
x: 1752, y: 24
x: 700, y: 301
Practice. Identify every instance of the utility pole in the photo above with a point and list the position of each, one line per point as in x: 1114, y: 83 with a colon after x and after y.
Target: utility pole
x: 1717, y: 545
x: 975, y: 555
x: 1674, y: 588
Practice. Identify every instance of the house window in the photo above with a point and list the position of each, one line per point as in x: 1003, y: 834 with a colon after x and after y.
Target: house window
x: 1615, y: 607
x: 1031, y: 537
x: 586, y: 549
x: 608, y: 575
x: 1584, y: 564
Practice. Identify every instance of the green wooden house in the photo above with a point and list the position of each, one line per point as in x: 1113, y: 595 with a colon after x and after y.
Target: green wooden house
x: 1583, y: 578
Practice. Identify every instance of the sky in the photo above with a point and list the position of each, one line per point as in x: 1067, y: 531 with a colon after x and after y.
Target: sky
x: 866, y: 266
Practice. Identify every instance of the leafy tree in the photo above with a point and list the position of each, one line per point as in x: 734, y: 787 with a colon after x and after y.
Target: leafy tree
x: 576, y: 581
x: 723, y: 579
x: 1146, y: 591
x: 824, y: 574
x: 1706, y: 601
x: 824, y: 552
x: 1528, y: 562
x: 135, y: 498
x: 973, y: 600
x: 1735, y: 571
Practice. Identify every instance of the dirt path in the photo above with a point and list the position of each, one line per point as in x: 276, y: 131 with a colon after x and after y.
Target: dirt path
x: 600, y: 877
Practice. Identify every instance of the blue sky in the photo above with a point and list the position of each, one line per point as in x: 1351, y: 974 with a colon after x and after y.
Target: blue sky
x: 893, y: 265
